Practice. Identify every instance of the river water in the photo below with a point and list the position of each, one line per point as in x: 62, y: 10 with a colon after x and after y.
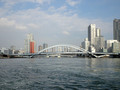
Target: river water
x: 60, y: 74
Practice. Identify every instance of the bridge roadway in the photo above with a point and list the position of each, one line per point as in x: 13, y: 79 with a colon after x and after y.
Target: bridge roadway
x: 61, y: 50
x: 96, y: 55
x: 83, y: 54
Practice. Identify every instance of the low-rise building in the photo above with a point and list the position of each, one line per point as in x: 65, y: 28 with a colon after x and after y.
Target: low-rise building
x: 116, y: 47
x: 85, y: 44
x: 108, y: 45
x: 8, y: 51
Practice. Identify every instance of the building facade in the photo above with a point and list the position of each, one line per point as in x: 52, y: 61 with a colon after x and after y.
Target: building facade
x: 99, y: 43
x: 32, y: 43
x: 116, y: 29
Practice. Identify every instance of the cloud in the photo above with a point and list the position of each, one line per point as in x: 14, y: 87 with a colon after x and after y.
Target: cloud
x: 42, y: 21
x: 42, y: 1
x: 73, y: 2
x: 21, y: 27
x: 5, y: 23
x: 61, y: 9
x: 8, y: 4
x: 66, y: 33
x: 50, y: 26
x: 31, y: 25
x: 12, y: 2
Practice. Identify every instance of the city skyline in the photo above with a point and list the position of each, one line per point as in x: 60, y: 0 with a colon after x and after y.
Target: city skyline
x: 53, y: 21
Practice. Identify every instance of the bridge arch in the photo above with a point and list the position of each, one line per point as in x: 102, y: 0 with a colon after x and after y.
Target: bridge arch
x: 65, y: 45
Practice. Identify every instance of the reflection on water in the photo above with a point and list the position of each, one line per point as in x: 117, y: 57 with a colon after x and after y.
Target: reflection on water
x: 59, y: 73
x: 106, y: 63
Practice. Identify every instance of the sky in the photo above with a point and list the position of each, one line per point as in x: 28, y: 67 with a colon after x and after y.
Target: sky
x: 55, y: 21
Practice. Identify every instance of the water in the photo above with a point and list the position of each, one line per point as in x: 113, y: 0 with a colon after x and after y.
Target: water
x: 60, y: 74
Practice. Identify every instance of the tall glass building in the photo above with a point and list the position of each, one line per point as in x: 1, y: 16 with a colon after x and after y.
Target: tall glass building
x: 116, y: 29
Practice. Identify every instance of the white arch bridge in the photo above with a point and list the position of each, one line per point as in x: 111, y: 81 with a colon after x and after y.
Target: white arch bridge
x: 63, y: 49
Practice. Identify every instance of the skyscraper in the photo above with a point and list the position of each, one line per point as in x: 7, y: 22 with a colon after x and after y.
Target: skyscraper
x: 98, y: 32
x: 95, y: 38
x: 116, y: 29
x: 30, y: 44
x: 91, y: 33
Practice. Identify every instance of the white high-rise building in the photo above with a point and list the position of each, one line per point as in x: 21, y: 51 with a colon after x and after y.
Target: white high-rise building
x: 92, y: 33
x: 98, y: 32
x: 116, y: 29
x: 95, y: 38
x: 30, y: 44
